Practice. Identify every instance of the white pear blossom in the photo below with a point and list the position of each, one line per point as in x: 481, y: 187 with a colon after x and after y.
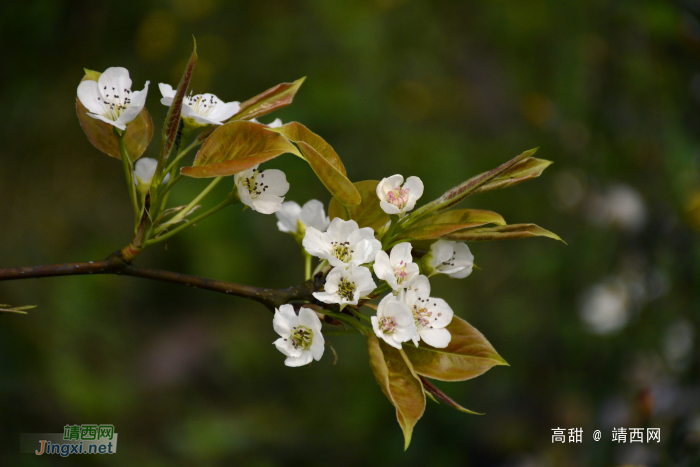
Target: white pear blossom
x: 397, y: 269
x: 144, y: 170
x: 200, y: 109
x: 431, y: 315
x: 345, y: 285
x: 451, y: 258
x: 301, y: 339
x: 294, y: 219
x: 110, y: 98
x: 394, y: 322
x: 343, y: 243
x: 262, y: 191
x: 397, y: 197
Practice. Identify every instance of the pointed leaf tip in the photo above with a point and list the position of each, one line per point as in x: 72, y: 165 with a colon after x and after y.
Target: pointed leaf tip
x: 467, y: 356
x: 504, y: 232
x: 399, y: 383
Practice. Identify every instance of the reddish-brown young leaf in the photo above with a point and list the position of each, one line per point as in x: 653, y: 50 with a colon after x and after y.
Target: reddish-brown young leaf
x: 467, y: 356
x: 450, y: 221
x: 458, y: 193
x: 522, y: 171
x: 398, y: 382
x: 274, y: 98
x: 235, y: 147
x: 334, y: 180
x: 368, y: 213
x: 296, y: 132
x: 101, y: 134
x: 504, y: 232
x: 172, y: 120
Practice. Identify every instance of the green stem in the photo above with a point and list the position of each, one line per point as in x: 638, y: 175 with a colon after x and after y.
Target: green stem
x: 339, y: 332
x: 189, y: 223
x: 387, y: 236
x: 129, y: 175
x: 320, y: 266
x: 345, y: 319
x: 381, y: 289
x: 307, y: 265
x: 359, y: 314
x: 192, y: 204
x: 180, y: 155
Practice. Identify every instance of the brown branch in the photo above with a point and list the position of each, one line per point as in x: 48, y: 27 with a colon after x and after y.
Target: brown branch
x: 115, y: 264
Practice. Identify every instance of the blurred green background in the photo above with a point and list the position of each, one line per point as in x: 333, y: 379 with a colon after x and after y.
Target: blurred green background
x: 599, y: 334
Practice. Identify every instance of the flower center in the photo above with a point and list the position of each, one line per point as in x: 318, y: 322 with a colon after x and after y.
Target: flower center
x: 400, y: 272
x: 388, y: 325
x: 450, y: 262
x: 301, y: 337
x: 255, y: 188
x: 200, y: 105
x: 342, y: 251
x: 398, y: 197
x: 421, y: 314
x: 346, y: 289
x: 114, y: 102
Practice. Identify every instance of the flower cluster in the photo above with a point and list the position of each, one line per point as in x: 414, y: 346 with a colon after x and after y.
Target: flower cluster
x: 351, y: 253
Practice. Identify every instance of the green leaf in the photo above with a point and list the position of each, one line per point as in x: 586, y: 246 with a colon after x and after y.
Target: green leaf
x: 451, y: 221
x: 334, y: 180
x: 399, y: 382
x: 274, y: 98
x: 522, y: 171
x: 101, y: 134
x: 437, y: 395
x: 235, y: 147
x: 505, y: 232
x: 172, y: 120
x: 467, y: 356
x: 368, y: 213
x: 458, y: 193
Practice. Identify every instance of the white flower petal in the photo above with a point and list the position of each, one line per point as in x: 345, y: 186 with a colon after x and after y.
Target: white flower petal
x: 302, y: 360
x: 415, y: 187
x: 88, y: 93
x: 285, y: 346
x: 308, y: 318
x: 276, y: 182
x: 145, y: 168
x: 388, y: 207
x: 115, y: 80
x: 313, y: 243
x: 167, y: 92
x: 382, y: 267
x: 224, y: 111
x: 441, y: 251
x: 317, y: 347
x: 387, y: 184
x: 313, y: 215
x: 327, y: 297
x: 121, y: 126
x: 276, y: 123
x: 287, y: 216
x: 267, y: 204
x: 401, y: 252
x: 438, y: 338
x: 138, y: 102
